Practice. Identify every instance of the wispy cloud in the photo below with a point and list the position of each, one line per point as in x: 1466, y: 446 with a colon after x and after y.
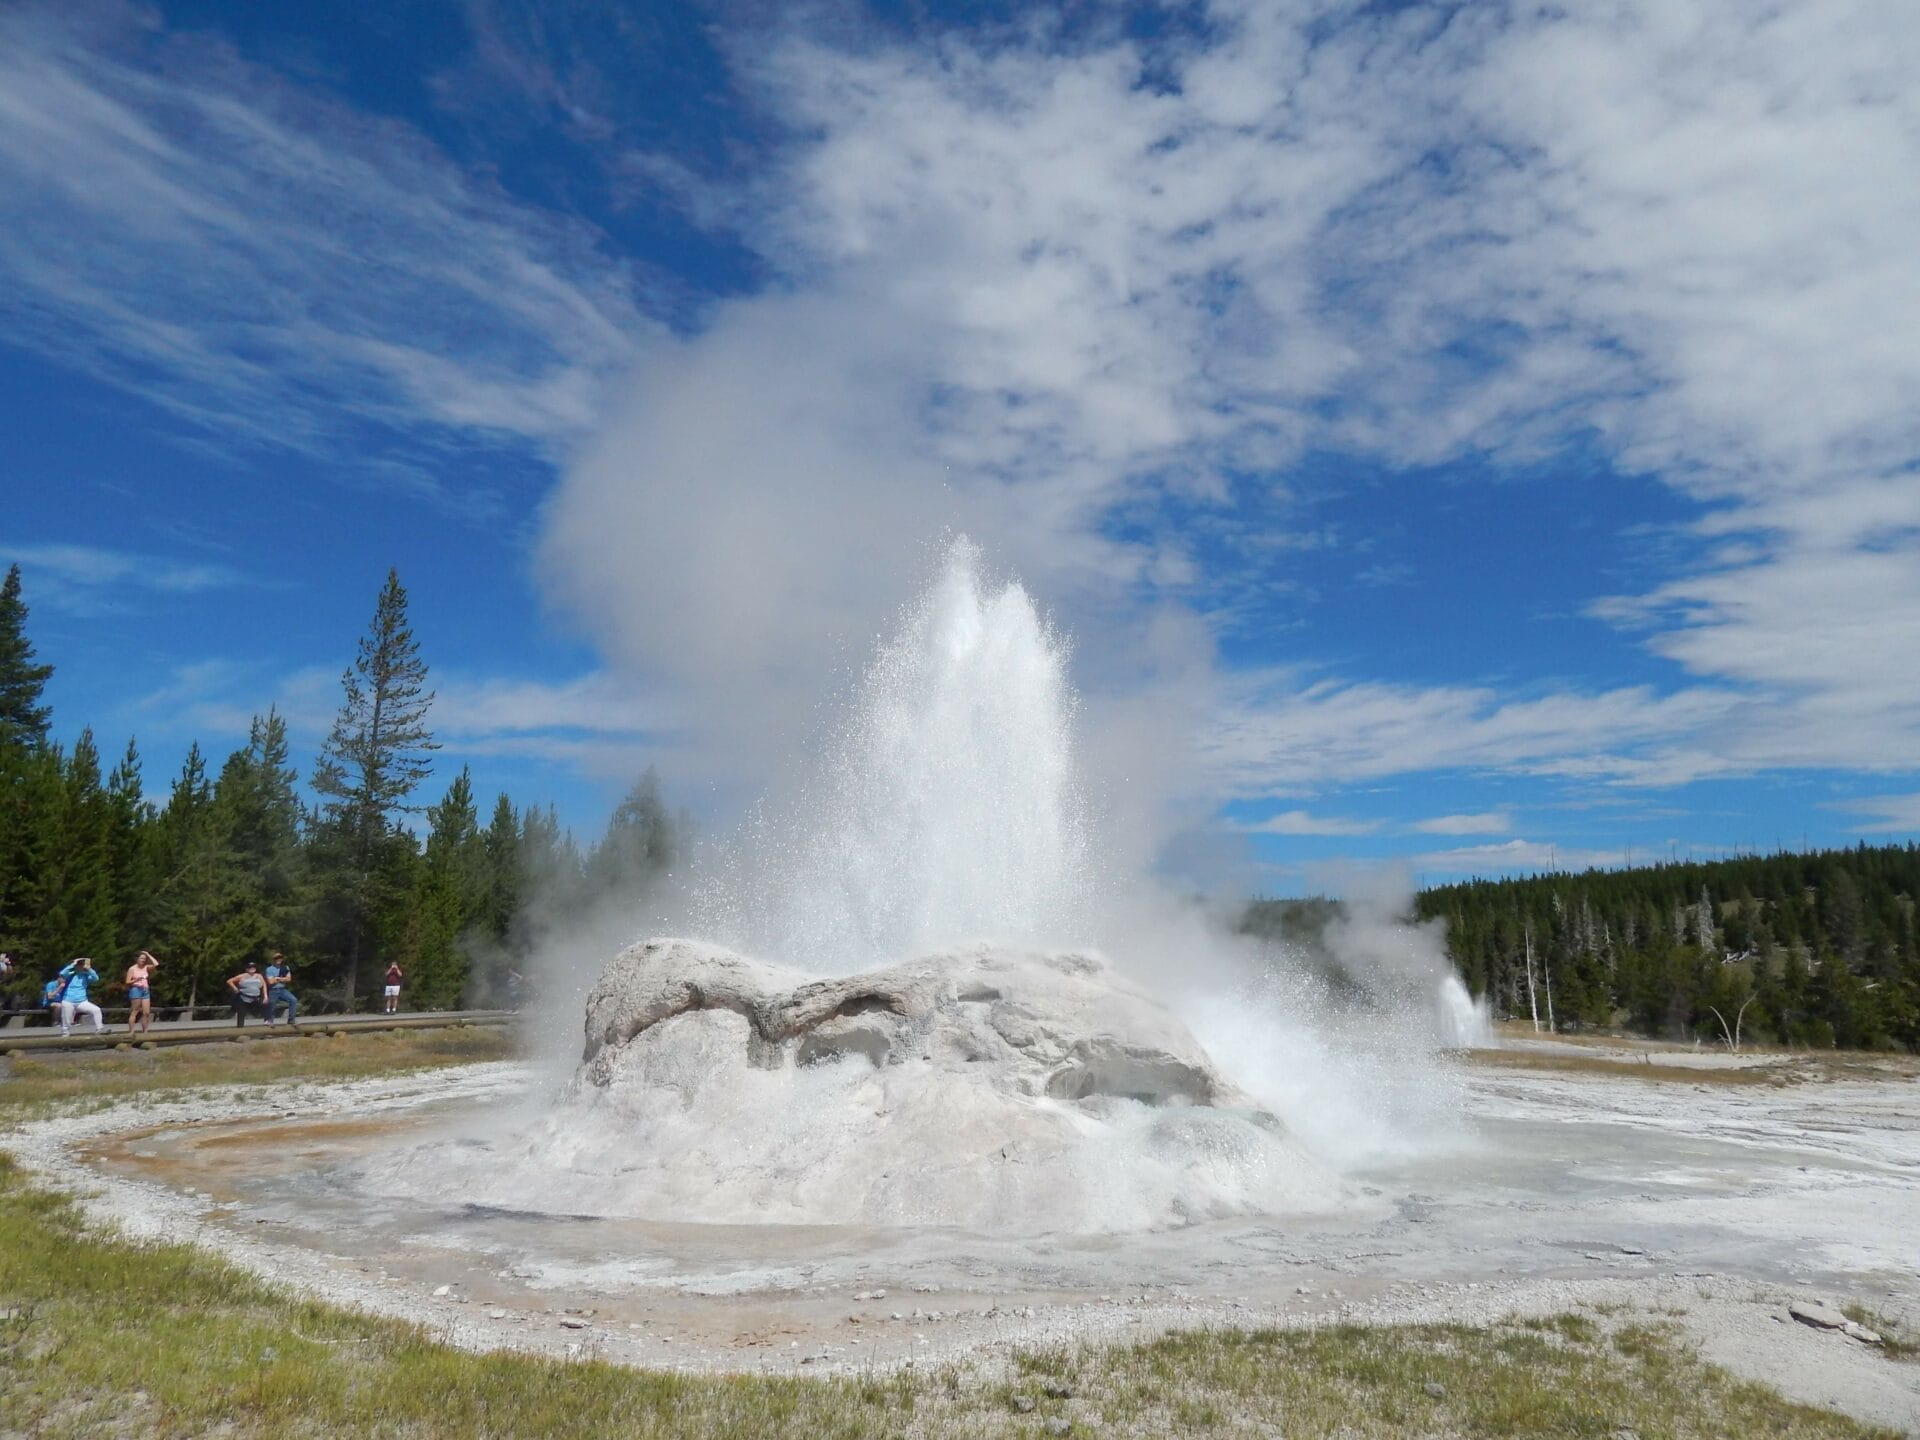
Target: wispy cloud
x: 91, y: 580
x: 1280, y: 730
x: 1884, y: 814
x: 595, y: 724
x: 1022, y: 291
x: 1492, y: 822
x: 1037, y: 294
x: 274, y: 267
x: 1300, y: 822
x: 595, y: 704
x: 1513, y: 855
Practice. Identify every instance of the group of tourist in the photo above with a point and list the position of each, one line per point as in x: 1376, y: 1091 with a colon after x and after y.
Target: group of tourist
x: 264, y: 994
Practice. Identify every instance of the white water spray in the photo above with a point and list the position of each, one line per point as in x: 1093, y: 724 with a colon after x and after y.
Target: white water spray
x: 1465, y: 1023
x: 946, y: 811
x: 977, y: 1064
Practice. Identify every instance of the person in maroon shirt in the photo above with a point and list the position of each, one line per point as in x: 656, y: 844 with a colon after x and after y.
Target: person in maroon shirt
x: 394, y: 976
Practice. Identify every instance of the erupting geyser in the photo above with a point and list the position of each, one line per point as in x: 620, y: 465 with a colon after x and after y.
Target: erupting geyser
x: 925, y: 1035
x: 946, y: 810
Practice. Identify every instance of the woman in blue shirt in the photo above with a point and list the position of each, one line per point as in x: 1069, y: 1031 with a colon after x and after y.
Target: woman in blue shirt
x: 79, y: 977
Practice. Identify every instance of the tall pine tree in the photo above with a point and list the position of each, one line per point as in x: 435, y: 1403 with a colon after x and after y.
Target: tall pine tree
x: 74, y: 903
x: 192, y: 895
x: 378, y: 751
x: 23, y: 719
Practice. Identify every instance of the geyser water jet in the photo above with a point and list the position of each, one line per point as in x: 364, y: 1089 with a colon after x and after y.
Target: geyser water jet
x: 945, y: 810
x: 975, y: 1062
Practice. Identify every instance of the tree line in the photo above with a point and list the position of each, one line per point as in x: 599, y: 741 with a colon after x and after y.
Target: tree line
x: 234, y: 862
x: 1812, y: 949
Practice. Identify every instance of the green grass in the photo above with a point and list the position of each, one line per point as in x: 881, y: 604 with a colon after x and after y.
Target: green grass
x: 101, y: 1336
x: 31, y: 1085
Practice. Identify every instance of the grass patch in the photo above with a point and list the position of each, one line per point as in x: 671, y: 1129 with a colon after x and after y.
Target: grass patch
x: 1643, y: 1068
x: 33, y: 1084
x: 1896, y: 1342
x: 103, y: 1337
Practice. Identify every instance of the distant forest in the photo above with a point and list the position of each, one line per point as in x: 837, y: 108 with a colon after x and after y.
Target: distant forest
x: 1813, y: 950
x: 228, y: 862
x: 1820, y: 949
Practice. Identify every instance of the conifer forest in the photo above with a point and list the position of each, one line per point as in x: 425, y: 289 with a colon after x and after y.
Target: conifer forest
x: 233, y: 858
x: 373, y: 861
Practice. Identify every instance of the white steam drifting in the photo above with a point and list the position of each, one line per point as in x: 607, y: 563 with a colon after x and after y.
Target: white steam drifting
x: 1007, y: 1044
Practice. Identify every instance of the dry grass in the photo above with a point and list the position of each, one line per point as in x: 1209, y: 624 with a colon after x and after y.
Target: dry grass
x: 1645, y: 1063
x: 1896, y: 1341
x: 101, y: 1336
x: 1647, y: 1068
x: 1876, y: 1060
x: 32, y: 1084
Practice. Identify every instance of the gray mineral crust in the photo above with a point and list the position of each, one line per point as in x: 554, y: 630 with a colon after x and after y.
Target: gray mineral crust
x: 984, y: 1087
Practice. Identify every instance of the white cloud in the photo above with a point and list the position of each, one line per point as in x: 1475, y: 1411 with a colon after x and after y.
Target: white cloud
x: 1021, y: 292
x: 78, y: 577
x: 1884, y: 814
x: 1492, y: 822
x: 1818, y: 633
x: 216, y: 700
x: 1300, y: 822
x: 596, y: 703
x: 272, y: 266
x: 1282, y: 731
x: 595, y: 724
x: 1513, y: 855
x: 1034, y: 294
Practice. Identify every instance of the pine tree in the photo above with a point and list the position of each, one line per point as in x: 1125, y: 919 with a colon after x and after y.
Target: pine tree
x: 379, y: 750
x: 262, y: 813
x: 193, y: 888
x: 74, y: 900
x: 249, y: 858
x: 501, y: 845
x: 23, y: 719
x: 639, y: 845
x: 135, y: 881
x: 448, y: 894
x: 32, y: 815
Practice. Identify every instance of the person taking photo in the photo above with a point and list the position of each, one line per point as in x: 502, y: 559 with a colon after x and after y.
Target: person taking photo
x: 75, y: 979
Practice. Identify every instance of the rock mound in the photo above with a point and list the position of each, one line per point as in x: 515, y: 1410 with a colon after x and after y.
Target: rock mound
x: 1064, y: 1026
x: 990, y: 1089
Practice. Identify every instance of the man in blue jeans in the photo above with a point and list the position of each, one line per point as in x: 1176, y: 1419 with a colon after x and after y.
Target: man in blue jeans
x: 280, y: 989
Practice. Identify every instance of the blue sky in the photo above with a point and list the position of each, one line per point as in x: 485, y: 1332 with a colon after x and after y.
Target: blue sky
x: 1476, y: 436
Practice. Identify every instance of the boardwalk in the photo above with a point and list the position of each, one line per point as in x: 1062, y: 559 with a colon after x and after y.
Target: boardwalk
x: 19, y: 1040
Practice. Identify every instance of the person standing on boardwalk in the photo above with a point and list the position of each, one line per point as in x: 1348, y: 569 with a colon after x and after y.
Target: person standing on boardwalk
x: 249, y: 992
x: 140, y: 991
x: 75, y: 979
x: 395, y: 975
x: 280, y: 989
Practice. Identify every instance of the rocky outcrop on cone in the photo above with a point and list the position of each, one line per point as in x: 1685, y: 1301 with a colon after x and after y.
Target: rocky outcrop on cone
x: 1062, y: 1025
x: 989, y: 1088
